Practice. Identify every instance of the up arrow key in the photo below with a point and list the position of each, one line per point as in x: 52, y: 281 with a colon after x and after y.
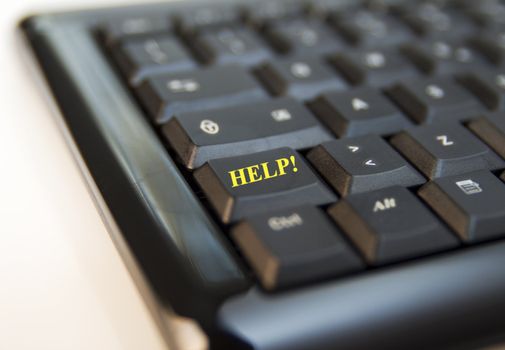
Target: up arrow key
x: 370, y: 162
x: 353, y: 149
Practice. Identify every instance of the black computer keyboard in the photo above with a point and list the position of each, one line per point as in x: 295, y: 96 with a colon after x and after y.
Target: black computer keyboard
x: 326, y: 141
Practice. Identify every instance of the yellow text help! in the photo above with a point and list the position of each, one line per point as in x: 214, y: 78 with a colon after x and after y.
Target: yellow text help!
x: 262, y: 171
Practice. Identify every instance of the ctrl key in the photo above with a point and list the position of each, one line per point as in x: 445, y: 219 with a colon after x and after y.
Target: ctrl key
x: 294, y: 246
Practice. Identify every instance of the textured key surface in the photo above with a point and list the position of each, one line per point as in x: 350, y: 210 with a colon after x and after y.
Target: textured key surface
x: 362, y: 164
x: 293, y: 246
x: 472, y: 204
x: 165, y: 95
x: 445, y: 149
x: 390, y: 225
x: 358, y: 112
x: 241, y: 186
x: 200, y: 136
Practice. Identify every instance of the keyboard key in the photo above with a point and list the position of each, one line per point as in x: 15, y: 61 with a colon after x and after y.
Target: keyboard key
x: 205, y: 17
x: 151, y: 55
x: 472, y: 204
x: 377, y: 67
x: 445, y: 149
x: 488, y: 86
x: 134, y: 27
x: 492, y: 44
x: 358, y: 112
x: 168, y: 94
x: 299, y: 77
x: 435, y: 99
x: 491, y: 129
x: 431, y: 20
x: 293, y: 246
x: 490, y: 14
x: 258, y: 14
x: 391, y: 224
x: 444, y: 57
x: 230, y: 45
x: 362, y: 164
x: 365, y: 28
x: 302, y: 37
x: 200, y: 136
x: 242, y: 186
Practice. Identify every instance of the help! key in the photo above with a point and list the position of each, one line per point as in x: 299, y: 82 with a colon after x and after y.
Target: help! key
x: 241, y: 186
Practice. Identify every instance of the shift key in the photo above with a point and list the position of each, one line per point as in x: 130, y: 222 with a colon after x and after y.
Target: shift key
x: 241, y: 186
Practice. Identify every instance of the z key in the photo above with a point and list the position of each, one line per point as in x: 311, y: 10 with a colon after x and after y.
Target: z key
x: 238, y: 187
x: 445, y: 149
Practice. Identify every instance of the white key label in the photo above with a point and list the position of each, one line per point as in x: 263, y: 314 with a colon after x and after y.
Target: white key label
x: 281, y: 115
x: 359, y: 104
x: 469, y: 187
x: 385, y: 204
x: 435, y: 92
x: 209, y: 127
x: 185, y: 85
x: 284, y: 222
x: 444, y: 140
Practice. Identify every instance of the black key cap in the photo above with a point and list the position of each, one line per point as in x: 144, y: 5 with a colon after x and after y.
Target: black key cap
x: 134, y: 27
x: 445, y: 149
x: 491, y: 129
x: 391, y: 224
x: 492, y: 44
x: 435, y: 99
x: 444, y: 57
x: 362, y: 164
x: 205, y: 89
x: 299, y: 77
x: 152, y: 55
x: 374, y: 67
x: 205, y: 17
x: 369, y: 29
x: 359, y: 112
x: 230, y: 45
x: 472, y: 204
x: 302, y: 37
x: 243, y: 186
x: 293, y: 246
x: 488, y: 86
x: 430, y: 20
x: 490, y: 14
x: 259, y: 14
x: 200, y: 136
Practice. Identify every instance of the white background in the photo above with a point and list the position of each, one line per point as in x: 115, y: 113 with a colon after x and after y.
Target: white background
x: 62, y: 283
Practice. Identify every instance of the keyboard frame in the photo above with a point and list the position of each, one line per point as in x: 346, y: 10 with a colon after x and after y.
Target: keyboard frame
x: 193, y: 270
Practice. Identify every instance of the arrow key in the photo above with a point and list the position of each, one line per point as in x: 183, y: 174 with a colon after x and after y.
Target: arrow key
x: 362, y: 164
